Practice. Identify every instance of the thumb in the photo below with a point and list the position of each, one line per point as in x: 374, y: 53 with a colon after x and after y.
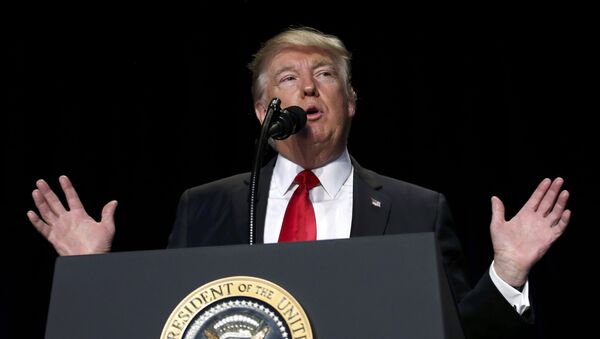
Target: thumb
x: 108, y: 211
x: 497, y: 211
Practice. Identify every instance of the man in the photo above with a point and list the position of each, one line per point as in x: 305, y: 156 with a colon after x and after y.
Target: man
x: 306, y: 68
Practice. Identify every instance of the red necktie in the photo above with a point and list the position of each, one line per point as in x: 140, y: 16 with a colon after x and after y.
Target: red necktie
x: 299, y: 223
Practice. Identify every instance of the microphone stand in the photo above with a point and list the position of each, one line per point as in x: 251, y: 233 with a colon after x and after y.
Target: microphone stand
x: 274, y: 106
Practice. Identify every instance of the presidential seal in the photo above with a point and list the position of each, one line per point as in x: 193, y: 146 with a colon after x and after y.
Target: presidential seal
x: 238, y: 308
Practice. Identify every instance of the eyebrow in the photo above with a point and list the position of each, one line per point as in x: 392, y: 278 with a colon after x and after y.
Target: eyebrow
x: 283, y: 70
x: 323, y: 62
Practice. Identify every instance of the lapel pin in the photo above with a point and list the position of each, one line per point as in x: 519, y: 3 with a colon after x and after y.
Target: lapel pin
x: 375, y: 202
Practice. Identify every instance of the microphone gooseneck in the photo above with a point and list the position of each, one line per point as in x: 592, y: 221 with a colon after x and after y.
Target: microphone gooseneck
x: 278, y: 124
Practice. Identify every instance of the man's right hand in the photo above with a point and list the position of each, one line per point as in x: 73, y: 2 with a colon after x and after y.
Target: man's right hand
x: 72, y: 231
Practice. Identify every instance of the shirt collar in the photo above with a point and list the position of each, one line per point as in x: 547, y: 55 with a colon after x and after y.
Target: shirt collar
x: 332, y: 176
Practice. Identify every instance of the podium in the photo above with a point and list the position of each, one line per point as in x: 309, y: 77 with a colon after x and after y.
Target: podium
x: 368, y: 287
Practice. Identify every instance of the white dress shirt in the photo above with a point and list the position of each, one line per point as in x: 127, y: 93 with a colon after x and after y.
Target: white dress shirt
x: 332, y: 201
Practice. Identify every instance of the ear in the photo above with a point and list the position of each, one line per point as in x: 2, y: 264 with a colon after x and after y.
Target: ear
x: 352, y: 102
x: 260, y: 110
x: 351, y: 108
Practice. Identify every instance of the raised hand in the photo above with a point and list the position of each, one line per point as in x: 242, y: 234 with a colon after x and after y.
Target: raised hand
x: 523, y: 240
x: 72, y: 231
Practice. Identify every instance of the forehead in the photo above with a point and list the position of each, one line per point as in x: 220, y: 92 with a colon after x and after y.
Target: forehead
x: 299, y: 57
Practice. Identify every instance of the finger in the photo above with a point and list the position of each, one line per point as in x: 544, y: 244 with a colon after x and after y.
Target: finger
x: 38, y: 223
x: 562, y: 223
x: 42, y: 205
x: 538, y: 195
x: 560, y: 205
x: 53, y: 202
x: 108, y: 211
x: 70, y: 193
x: 550, y: 197
x: 497, y: 211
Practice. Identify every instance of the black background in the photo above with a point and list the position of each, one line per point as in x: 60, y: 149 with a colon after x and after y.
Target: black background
x: 139, y: 109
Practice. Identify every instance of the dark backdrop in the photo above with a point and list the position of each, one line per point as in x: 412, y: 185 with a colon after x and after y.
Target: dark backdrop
x: 139, y: 112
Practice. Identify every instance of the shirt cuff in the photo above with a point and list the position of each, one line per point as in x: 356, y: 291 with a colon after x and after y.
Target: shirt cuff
x: 518, y: 300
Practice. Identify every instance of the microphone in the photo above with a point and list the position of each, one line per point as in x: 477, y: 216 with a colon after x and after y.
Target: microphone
x: 288, y: 121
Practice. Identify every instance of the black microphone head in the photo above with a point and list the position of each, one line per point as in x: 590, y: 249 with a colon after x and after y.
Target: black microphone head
x: 298, y: 116
x: 291, y: 120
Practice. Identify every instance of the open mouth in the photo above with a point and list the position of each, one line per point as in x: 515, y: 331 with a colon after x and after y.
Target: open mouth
x: 313, y: 113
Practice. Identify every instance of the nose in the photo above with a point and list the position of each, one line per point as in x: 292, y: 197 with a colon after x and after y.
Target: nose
x: 310, y: 89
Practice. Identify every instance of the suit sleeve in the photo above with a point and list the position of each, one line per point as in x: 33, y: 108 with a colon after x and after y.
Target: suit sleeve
x: 484, y: 312
x: 179, y: 234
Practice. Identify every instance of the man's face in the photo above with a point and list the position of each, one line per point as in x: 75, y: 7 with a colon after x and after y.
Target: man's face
x: 308, y: 78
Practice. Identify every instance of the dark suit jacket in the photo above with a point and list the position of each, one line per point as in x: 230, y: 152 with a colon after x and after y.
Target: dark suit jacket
x: 217, y: 214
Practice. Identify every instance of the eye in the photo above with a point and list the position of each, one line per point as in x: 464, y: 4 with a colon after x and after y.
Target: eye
x: 326, y: 73
x: 287, y: 78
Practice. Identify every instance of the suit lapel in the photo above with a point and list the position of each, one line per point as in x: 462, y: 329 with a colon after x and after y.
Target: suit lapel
x: 263, y: 196
x: 242, y: 203
x: 371, y: 206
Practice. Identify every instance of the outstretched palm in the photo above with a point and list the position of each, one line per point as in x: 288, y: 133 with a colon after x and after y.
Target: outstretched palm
x: 522, y: 241
x: 72, y: 231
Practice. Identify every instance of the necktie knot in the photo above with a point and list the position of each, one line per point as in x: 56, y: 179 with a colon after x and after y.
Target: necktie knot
x: 307, y: 179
